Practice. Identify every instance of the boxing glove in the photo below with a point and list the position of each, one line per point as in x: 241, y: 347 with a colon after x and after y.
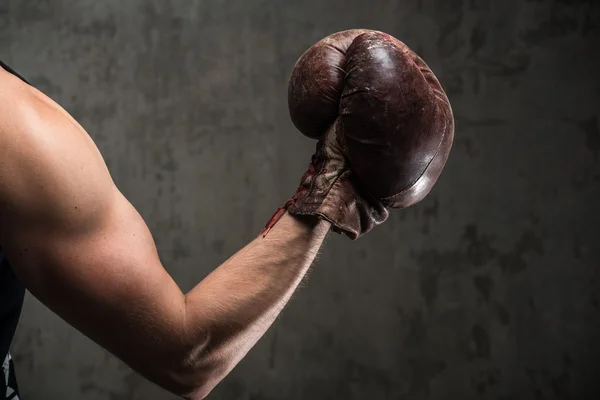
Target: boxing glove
x: 384, y: 128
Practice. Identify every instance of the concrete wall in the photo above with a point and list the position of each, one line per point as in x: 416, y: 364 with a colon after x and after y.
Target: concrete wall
x: 488, y: 289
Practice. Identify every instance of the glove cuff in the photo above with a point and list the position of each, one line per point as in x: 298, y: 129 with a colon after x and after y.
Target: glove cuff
x: 349, y: 212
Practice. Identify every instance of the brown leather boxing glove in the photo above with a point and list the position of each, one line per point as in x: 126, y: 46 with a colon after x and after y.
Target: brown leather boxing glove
x: 384, y: 124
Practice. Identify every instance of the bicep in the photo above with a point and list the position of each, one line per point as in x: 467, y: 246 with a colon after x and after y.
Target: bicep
x: 107, y: 270
x: 107, y: 282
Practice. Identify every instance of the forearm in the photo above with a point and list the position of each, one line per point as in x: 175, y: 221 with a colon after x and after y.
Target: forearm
x: 238, y: 301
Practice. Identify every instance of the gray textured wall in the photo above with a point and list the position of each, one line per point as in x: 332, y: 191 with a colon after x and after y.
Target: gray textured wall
x: 486, y: 290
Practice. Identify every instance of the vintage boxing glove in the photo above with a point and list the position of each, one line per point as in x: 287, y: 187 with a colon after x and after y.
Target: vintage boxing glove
x: 384, y: 127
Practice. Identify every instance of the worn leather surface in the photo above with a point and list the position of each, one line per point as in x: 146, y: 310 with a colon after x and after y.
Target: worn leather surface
x: 384, y: 124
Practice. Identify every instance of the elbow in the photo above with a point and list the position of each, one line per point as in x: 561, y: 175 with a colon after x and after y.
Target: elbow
x: 189, y: 390
x: 198, y: 375
x: 196, y: 369
x: 188, y: 386
x: 199, y: 388
x: 197, y: 394
x: 192, y: 383
x: 188, y: 377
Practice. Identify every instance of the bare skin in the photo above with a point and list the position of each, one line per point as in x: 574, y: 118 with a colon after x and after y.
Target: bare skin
x: 83, y: 250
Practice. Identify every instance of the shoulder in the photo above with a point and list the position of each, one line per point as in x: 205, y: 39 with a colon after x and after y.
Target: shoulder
x: 50, y: 170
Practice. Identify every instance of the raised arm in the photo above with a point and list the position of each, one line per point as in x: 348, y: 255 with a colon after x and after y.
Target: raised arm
x: 384, y: 128
x: 82, y: 249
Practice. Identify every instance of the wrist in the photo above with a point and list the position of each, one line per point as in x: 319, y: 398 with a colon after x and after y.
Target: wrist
x: 311, y: 222
x: 306, y: 223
